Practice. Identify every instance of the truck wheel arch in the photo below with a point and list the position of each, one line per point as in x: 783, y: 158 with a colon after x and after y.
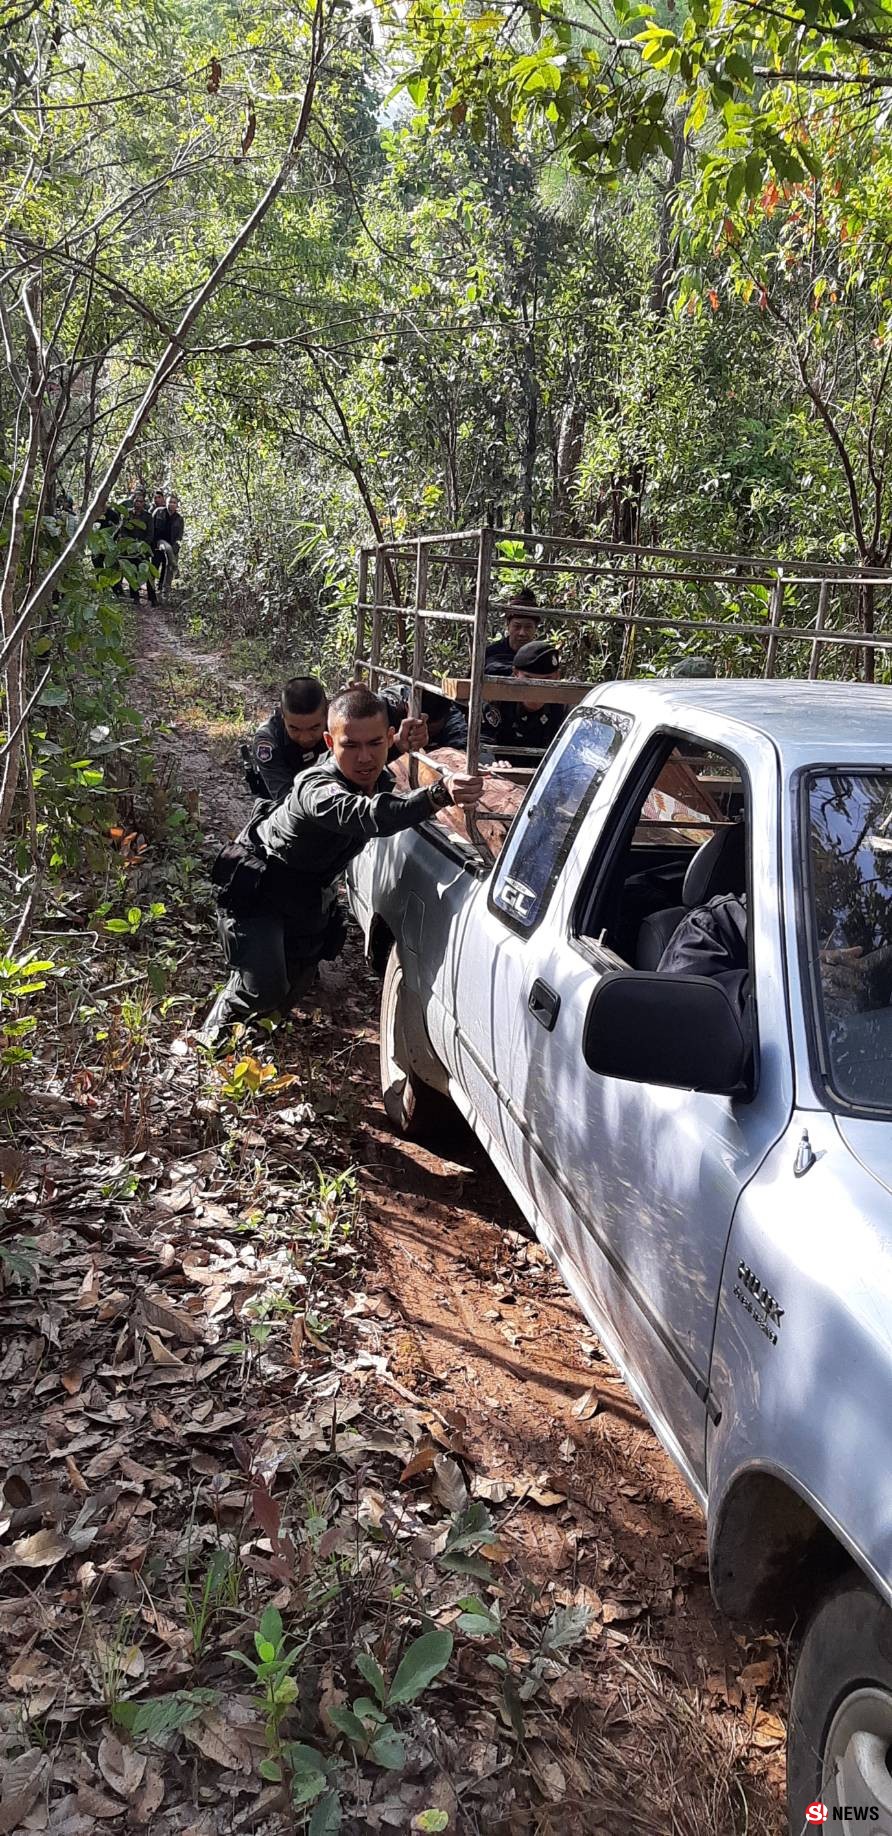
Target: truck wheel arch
x: 770, y: 1553
x: 379, y: 945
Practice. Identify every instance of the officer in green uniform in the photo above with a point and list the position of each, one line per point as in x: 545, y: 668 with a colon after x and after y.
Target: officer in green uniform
x: 446, y: 724
x: 290, y: 740
x: 294, y: 737
x: 522, y: 620
x: 277, y: 883
x: 529, y: 726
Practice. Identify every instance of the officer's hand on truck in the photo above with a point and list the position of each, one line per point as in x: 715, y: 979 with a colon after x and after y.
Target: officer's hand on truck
x: 412, y: 735
x: 464, y: 788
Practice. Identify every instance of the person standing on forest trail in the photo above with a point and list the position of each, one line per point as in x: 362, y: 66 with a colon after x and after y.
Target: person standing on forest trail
x: 277, y: 882
x: 168, y: 529
x: 136, y: 531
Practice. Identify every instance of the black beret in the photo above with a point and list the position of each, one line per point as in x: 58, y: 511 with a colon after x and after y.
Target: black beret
x: 537, y: 659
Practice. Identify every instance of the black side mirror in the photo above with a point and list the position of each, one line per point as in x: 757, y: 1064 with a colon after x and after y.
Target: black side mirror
x: 681, y: 1030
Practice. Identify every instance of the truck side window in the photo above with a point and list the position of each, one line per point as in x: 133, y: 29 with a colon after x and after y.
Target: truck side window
x: 556, y: 803
x: 693, y: 811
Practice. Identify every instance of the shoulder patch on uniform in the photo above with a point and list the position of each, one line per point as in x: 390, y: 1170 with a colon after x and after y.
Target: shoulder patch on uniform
x: 264, y: 753
x: 493, y: 717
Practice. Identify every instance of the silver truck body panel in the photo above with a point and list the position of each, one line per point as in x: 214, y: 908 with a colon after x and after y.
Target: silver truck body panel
x: 748, y: 1304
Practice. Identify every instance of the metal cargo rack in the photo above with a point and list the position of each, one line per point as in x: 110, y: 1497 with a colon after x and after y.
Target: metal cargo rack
x: 804, y: 603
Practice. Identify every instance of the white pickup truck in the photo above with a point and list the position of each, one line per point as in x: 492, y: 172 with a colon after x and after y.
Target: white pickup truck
x: 712, y: 1177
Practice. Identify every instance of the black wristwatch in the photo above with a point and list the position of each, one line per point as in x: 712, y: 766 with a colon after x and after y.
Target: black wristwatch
x: 440, y: 794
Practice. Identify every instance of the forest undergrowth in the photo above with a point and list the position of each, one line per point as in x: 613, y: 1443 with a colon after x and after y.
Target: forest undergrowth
x: 251, y: 1578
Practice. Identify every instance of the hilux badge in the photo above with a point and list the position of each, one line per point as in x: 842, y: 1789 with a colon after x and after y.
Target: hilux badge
x: 750, y: 1289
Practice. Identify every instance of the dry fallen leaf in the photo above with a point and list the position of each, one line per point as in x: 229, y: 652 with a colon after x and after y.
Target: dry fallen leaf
x: 159, y: 1311
x: 95, y: 1804
x: 122, y: 1767
x: 23, y: 1779
x: 768, y: 1730
x: 159, y: 1350
x: 586, y: 1406
x: 42, y: 1550
x: 149, y: 1796
x: 449, y: 1483
x: 495, y: 1491
x: 549, y: 1776
x: 421, y: 1462
x: 757, y: 1675
x: 76, y: 1479
x: 621, y: 1610
x: 218, y: 1741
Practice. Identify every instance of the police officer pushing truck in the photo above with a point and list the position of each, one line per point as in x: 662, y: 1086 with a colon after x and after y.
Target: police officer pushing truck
x: 278, y: 913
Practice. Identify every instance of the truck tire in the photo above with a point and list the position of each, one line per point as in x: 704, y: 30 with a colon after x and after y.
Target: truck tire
x: 415, y: 1109
x: 839, y: 1746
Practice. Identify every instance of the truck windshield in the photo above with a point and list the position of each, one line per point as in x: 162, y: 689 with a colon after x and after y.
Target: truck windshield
x: 850, y: 850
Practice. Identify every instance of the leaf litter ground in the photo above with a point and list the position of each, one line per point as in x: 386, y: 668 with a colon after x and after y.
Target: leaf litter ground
x: 287, y: 1401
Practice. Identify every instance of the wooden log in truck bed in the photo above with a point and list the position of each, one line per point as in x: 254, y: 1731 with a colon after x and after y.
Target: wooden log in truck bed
x: 501, y: 797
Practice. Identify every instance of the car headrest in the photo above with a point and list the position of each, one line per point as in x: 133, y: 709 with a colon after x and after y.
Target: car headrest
x: 718, y: 867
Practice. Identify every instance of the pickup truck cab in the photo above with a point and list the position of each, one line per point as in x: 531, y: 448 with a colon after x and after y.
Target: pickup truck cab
x: 711, y: 1170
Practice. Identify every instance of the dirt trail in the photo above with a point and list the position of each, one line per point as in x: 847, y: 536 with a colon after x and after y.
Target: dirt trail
x: 482, y: 1328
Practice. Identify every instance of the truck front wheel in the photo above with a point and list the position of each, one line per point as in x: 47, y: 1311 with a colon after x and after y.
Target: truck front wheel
x: 839, y: 1749
x: 415, y: 1109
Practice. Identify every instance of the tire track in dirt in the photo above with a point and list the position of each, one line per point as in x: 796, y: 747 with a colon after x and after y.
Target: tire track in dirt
x: 487, y: 1335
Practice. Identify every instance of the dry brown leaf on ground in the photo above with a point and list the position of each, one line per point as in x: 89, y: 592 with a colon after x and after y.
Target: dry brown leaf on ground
x: 616, y: 1612
x: 122, y: 1767
x: 159, y: 1351
x: 767, y: 1730
x: 215, y: 1736
x: 421, y: 1462
x: 758, y: 1675
x: 127, y: 1661
x: 149, y: 1797
x: 161, y: 1312
x: 76, y: 1479
x: 21, y: 1782
x: 103, y: 1463
x: 225, y: 1418
x: 448, y: 1485
x: 42, y: 1550
x: 586, y: 1406
x: 549, y: 1775
x: 94, y: 1803
x: 495, y: 1491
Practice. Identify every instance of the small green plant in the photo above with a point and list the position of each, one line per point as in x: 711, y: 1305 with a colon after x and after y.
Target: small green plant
x: 247, y: 1078
x: 218, y: 1592
x: 366, y: 1724
x: 277, y: 1689
x: 135, y: 920
x: 121, y: 1186
x: 332, y: 1210
x: 162, y: 1717
x: 20, y: 978
x: 307, y: 1773
x: 116, y: 1656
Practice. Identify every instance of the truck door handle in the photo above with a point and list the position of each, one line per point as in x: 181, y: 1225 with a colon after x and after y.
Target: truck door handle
x: 544, y: 1004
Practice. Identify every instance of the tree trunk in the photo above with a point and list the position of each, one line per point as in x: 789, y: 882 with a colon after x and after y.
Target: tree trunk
x: 569, y: 454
